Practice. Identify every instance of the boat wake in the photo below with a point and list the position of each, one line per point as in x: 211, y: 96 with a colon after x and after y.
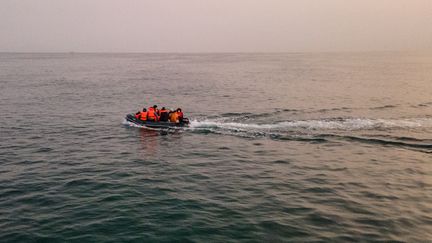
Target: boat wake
x: 345, y: 124
x: 332, y: 130
x: 325, y: 130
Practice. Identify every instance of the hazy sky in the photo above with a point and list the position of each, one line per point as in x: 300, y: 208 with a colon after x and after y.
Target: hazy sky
x: 215, y: 25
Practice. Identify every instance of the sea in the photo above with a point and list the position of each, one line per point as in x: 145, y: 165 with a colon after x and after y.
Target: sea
x: 282, y: 147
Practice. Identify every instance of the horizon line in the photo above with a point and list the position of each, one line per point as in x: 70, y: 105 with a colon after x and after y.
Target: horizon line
x: 207, y: 52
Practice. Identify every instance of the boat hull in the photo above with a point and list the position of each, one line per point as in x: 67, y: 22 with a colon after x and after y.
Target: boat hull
x: 131, y: 118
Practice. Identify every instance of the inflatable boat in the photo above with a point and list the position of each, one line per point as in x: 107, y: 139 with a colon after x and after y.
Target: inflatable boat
x: 131, y: 118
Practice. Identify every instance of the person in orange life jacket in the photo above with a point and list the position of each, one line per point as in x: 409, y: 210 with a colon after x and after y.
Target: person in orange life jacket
x: 173, y: 117
x: 143, y: 115
x: 180, y: 115
x: 163, y: 114
x: 152, y: 114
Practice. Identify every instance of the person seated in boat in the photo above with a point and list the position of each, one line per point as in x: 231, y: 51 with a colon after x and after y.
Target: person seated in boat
x: 143, y: 115
x: 176, y: 116
x: 157, y: 110
x: 173, y: 117
x: 152, y: 114
x: 138, y: 114
x: 163, y: 115
x: 180, y: 114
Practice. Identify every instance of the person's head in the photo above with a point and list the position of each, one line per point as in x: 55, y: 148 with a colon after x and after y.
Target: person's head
x: 155, y: 106
x: 178, y: 110
x: 144, y: 109
x: 163, y: 108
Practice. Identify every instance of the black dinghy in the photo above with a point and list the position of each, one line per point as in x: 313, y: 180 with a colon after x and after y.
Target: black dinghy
x: 152, y: 124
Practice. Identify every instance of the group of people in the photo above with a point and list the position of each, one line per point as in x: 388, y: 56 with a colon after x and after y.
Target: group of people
x: 163, y: 115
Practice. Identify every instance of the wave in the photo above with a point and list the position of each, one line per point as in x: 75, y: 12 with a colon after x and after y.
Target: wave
x: 384, y: 107
x: 423, y: 145
x: 426, y: 104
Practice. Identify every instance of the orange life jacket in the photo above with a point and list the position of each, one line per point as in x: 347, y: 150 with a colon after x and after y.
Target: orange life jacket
x: 137, y: 115
x: 152, y: 115
x: 174, y: 117
x: 143, y: 115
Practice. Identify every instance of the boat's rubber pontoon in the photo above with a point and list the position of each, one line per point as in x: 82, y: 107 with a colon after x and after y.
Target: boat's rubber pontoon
x: 160, y: 124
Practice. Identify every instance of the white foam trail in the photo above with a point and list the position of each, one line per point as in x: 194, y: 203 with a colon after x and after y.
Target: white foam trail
x: 326, y: 124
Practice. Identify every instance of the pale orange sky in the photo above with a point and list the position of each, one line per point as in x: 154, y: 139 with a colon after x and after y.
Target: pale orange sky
x: 215, y: 25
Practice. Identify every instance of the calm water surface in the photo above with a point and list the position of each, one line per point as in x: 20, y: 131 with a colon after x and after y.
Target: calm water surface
x: 282, y: 147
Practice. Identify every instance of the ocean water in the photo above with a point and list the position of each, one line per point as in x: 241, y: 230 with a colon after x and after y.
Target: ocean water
x: 294, y: 147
